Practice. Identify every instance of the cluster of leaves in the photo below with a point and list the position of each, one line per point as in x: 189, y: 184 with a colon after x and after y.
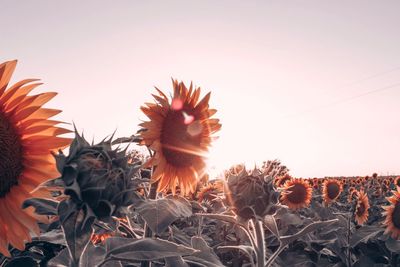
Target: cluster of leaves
x: 101, y: 215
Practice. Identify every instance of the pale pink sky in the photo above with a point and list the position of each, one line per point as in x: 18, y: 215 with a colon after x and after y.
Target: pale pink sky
x: 283, y: 74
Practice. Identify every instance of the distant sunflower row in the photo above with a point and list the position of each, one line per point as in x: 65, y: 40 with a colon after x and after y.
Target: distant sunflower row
x: 297, y: 194
x: 179, y: 133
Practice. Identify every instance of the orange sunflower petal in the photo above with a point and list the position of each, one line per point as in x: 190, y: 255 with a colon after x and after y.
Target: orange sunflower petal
x: 25, y: 160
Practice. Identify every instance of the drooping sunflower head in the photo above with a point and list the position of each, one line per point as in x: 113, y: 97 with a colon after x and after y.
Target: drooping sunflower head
x: 179, y: 132
x: 362, y: 207
x: 27, y: 137
x: 392, y: 213
x: 331, y: 190
x: 296, y: 194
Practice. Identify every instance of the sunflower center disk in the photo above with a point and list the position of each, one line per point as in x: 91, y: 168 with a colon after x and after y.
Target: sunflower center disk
x: 396, y: 215
x: 333, y: 190
x: 181, y: 138
x: 298, y: 194
x: 360, y: 209
x: 10, y: 156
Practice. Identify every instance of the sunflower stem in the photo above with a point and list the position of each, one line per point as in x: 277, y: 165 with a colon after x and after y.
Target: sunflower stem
x: 348, y: 239
x: 260, y: 238
x: 147, y: 231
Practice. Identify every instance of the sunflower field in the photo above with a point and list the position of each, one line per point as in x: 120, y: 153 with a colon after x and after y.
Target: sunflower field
x: 65, y: 201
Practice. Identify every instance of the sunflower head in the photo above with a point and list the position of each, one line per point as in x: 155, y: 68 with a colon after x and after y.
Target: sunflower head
x: 97, y: 178
x: 179, y: 132
x: 296, y: 194
x: 274, y: 168
x: 397, y: 182
x: 210, y: 191
x: 331, y: 190
x: 352, y: 194
x: 281, y: 180
x: 251, y: 195
x: 392, y: 215
x: 362, y: 207
x: 377, y: 192
x: 27, y: 138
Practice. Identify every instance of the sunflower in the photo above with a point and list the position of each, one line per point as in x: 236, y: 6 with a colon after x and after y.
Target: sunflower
x: 98, y: 239
x: 296, y: 194
x: 377, y: 192
x: 351, y: 194
x: 362, y: 206
x: 397, y: 182
x: 180, y: 133
x: 210, y: 191
x: 27, y: 137
x: 281, y: 180
x: 331, y: 190
x: 315, y: 184
x: 392, y: 213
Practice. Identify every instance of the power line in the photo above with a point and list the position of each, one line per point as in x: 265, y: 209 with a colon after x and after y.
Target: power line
x: 352, y: 97
x: 343, y: 100
x: 370, y: 77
